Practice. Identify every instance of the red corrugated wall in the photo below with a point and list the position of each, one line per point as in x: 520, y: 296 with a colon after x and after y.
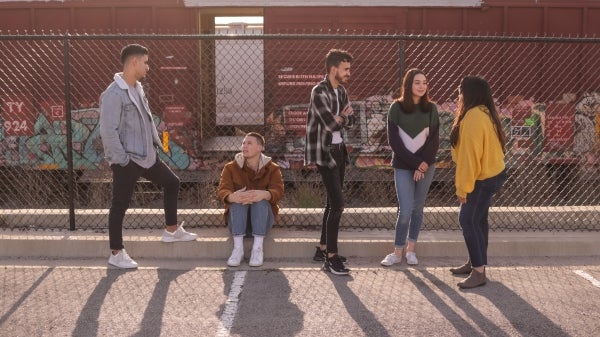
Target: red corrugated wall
x: 152, y: 16
x: 497, y: 17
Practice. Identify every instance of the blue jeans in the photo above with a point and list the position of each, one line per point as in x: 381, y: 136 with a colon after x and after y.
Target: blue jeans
x: 473, y: 217
x: 261, y: 218
x: 411, y: 201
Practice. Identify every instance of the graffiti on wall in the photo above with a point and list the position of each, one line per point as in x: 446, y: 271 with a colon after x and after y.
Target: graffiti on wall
x: 568, y: 130
x: 41, y: 142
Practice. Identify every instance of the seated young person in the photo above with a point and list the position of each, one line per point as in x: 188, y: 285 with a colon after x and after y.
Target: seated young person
x: 250, y: 187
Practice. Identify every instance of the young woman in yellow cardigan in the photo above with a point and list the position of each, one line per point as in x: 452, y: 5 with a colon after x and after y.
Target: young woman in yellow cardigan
x: 478, y: 143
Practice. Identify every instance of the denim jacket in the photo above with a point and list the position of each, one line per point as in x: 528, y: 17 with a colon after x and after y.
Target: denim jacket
x: 122, y: 125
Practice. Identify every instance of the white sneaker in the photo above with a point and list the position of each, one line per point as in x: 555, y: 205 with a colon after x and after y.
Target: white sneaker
x: 237, y: 255
x: 122, y: 260
x: 391, y: 259
x: 411, y: 258
x: 256, y: 259
x: 178, y: 235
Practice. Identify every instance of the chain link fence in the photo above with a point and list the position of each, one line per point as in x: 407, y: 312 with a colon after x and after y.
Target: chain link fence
x: 207, y: 91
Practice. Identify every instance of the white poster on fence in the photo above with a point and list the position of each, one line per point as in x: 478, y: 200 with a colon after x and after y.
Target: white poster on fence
x: 240, y: 76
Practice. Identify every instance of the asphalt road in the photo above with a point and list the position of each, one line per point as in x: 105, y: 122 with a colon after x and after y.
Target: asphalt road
x: 523, y: 297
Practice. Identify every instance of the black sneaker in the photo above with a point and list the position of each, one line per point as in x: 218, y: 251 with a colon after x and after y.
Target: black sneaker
x: 335, y: 265
x: 320, y: 255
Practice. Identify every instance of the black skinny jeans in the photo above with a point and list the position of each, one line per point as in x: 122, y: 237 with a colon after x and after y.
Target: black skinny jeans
x: 333, y: 179
x: 124, y: 180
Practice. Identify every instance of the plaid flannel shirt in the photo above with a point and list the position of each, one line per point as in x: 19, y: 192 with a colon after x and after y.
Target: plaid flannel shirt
x: 320, y: 122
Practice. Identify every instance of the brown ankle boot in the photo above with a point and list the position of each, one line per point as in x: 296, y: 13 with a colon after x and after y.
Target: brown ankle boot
x: 464, y: 269
x: 476, y: 279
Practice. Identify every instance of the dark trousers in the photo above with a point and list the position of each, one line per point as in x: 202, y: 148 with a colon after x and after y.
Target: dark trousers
x: 473, y: 217
x: 333, y: 179
x: 124, y: 180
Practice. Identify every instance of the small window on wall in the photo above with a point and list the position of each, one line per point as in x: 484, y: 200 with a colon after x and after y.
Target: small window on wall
x: 239, y: 24
x: 239, y: 67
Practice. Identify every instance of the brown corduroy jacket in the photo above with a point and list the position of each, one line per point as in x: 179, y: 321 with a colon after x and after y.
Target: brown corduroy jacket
x: 236, y: 175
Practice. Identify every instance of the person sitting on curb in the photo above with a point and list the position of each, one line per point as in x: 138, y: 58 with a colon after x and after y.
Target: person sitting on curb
x: 250, y: 187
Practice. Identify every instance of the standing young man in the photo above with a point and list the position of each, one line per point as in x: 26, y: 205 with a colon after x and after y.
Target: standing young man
x: 329, y: 113
x: 130, y: 138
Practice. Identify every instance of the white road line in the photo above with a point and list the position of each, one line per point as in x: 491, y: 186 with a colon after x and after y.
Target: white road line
x: 588, y: 277
x: 231, y: 307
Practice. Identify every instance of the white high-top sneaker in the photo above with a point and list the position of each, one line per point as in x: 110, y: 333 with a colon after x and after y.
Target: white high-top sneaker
x: 122, y: 260
x: 237, y: 255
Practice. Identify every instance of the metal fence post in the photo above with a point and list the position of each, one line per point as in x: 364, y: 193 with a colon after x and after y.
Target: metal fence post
x: 71, y: 173
x: 401, y: 45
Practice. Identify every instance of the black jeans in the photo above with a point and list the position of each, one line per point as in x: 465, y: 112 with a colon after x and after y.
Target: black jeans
x: 124, y: 180
x: 333, y: 179
x: 473, y: 217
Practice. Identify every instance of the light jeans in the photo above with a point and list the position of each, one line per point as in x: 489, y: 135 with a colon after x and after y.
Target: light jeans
x: 411, y: 201
x: 261, y: 218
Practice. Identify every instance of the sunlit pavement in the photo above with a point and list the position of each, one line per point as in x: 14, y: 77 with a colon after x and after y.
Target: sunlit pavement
x: 558, y: 296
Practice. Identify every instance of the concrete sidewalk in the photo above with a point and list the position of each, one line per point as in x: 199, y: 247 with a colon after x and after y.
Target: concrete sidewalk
x: 215, y: 243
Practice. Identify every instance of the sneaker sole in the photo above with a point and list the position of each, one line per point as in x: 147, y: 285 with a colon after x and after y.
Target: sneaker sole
x: 327, y: 269
x: 114, y: 265
x: 389, y: 265
x: 339, y: 273
x: 177, y: 240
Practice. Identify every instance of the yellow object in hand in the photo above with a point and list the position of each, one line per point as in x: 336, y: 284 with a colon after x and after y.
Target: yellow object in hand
x: 165, y: 139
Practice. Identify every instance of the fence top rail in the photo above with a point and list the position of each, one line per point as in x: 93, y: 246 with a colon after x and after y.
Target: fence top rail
x: 338, y: 36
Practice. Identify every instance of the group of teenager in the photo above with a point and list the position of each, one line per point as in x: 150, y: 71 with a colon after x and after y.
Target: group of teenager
x: 251, y: 185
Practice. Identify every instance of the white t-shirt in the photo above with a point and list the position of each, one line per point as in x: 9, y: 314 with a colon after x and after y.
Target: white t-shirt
x: 337, y: 135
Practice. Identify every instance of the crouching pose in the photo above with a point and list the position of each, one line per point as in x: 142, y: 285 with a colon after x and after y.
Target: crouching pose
x: 250, y: 187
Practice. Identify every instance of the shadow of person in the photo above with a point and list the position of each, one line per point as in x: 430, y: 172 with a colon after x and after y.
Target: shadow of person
x: 25, y: 295
x: 87, y: 322
x: 463, y: 327
x: 151, y: 324
x: 263, y: 307
x: 355, y: 307
x: 524, y: 317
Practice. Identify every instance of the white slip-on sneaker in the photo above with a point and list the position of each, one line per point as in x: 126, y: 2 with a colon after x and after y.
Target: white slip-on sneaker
x: 256, y: 258
x: 391, y: 259
x: 411, y: 258
x: 122, y: 260
x: 178, y: 235
x: 237, y: 255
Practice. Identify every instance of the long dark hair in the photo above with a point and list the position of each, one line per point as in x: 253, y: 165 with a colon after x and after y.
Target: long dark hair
x: 476, y: 91
x: 406, y: 94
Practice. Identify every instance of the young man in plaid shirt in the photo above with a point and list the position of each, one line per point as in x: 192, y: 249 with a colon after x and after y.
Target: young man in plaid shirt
x: 329, y: 113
